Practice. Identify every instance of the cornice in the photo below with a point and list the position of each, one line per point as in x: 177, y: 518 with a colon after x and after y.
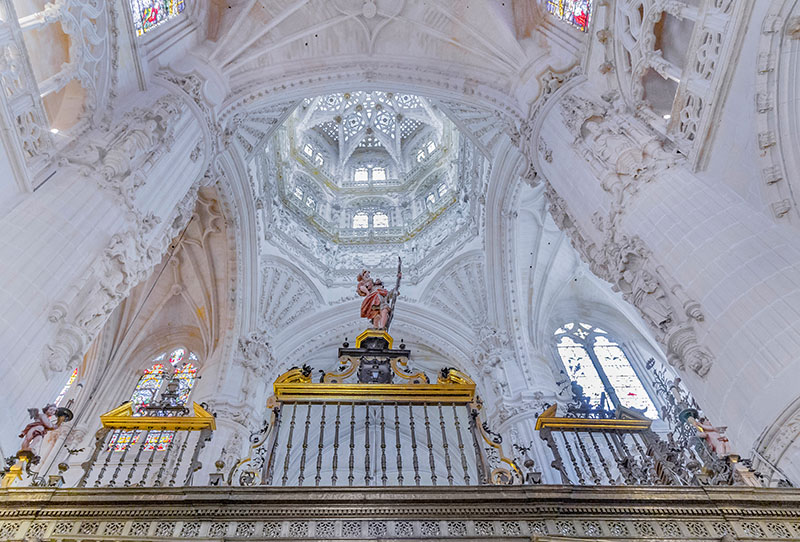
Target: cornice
x: 520, y: 502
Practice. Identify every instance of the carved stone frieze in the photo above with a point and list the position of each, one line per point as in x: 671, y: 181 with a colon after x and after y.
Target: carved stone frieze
x: 138, y: 141
x: 469, y: 513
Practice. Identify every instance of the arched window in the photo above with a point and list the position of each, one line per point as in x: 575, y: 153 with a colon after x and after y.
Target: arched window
x: 360, y: 220
x: 598, y: 363
x: 380, y: 220
x: 148, y: 14
x: 150, y: 390
x: 370, y: 173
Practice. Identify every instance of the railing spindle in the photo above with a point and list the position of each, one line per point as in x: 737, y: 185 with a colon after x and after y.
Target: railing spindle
x: 445, y: 447
x: 366, y: 445
x: 318, y: 477
x: 113, y: 481
x: 414, y: 457
x: 301, y: 476
x: 179, y: 460
x: 397, y: 445
x: 430, y: 444
x: 163, y: 468
x: 150, y: 459
x: 335, y: 446
x: 602, y: 458
x: 270, y: 469
x: 127, y: 482
x: 578, y: 470
x: 483, y: 473
x: 589, y: 463
x: 464, y: 463
x: 104, y: 466
x: 351, y: 464
x: 285, y: 477
x: 383, y: 450
x: 88, y: 466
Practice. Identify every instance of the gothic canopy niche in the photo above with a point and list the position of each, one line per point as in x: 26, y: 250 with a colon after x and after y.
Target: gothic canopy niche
x: 354, y: 179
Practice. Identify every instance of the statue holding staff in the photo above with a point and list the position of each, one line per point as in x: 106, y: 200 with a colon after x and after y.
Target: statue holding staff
x: 378, y: 303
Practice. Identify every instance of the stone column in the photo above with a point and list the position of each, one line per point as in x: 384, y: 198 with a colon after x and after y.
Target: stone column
x: 715, y: 279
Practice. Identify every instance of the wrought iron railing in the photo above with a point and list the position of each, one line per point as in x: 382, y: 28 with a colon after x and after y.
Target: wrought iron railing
x: 592, y: 446
x: 334, y: 433
x: 159, y: 446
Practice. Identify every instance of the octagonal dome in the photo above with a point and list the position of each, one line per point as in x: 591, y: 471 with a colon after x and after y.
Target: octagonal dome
x: 357, y: 178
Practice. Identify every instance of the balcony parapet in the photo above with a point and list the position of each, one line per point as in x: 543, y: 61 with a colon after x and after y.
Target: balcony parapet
x: 487, y: 512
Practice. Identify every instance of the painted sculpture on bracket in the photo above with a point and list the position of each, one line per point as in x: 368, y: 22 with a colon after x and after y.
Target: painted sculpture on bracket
x: 43, y: 422
x: 714, y: 437
x: 378, y: 303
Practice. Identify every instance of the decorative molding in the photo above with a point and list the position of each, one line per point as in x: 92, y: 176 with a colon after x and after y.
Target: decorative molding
x: 774, y: 88
x: 630, y: 267
x: 127, y: 260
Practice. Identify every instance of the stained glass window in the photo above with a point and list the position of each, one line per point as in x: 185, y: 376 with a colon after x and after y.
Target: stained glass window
x: 600, y: 366
x: 66, y: 387
x: 148, y: 14
x: 147, y: 392
x: 575, y: 12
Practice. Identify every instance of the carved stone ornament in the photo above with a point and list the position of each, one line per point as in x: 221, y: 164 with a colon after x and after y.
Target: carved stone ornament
x: 127, y: 260
x: 630, y: 267
x: 255, y: 353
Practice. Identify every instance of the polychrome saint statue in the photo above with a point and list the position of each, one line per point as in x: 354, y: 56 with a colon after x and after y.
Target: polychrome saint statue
x: 378, y: 303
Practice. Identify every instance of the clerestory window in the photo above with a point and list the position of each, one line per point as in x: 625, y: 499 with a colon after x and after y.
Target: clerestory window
x: 66, y: 387
x: 148, y: 14
x: 374, y: 219
x: 426, y: 150
x: 575, y: 12
x: 314, y: 155
x: 360, y: 220
x: 370, y: 173
x: 600, y: 366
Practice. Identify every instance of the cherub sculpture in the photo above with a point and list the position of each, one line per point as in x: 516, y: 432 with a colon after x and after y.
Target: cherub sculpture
x: 33, y: 433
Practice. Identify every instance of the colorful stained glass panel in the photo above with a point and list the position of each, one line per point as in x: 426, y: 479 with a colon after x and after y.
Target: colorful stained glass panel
x: 148, y: 14
x: 66, y: 387
x: 575, y: 12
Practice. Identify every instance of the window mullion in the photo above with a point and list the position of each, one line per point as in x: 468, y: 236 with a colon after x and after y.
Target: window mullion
x: 612, y: 394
